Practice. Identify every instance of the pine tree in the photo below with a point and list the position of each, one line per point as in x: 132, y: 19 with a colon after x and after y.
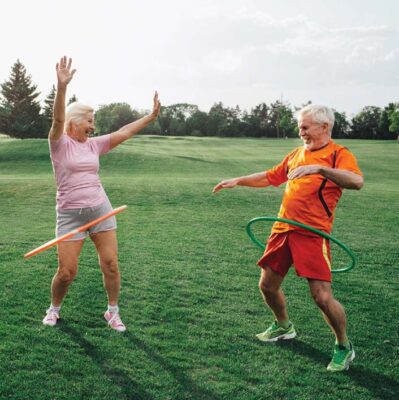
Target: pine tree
x: 20, y: 111
x: 48, y: 108
x: 72, y: 99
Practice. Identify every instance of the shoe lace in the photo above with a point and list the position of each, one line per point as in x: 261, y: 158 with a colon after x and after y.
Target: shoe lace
x: 340, y: 354
x: 52, y: 314
x: 274, y: 326
x: 115, y: 320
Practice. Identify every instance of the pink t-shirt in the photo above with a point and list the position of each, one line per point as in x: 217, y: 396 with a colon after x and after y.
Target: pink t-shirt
x: 76, y: 167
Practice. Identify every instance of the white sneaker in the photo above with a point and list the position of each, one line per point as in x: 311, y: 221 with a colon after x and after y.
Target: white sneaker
x: 114, y: 321
x: 51, y: 317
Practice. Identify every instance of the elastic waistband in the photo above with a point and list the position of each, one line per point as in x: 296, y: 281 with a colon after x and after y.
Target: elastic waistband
x: 81, y: 210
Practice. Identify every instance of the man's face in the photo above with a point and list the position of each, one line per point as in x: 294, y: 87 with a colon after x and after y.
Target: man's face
x: 314, y: 135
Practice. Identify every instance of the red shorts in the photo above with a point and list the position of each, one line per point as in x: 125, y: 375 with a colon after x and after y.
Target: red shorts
x: 310, y: 255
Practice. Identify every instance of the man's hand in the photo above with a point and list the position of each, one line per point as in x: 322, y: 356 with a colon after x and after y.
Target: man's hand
x: 228, y: 184
x: 341, y: 177
x: 257, y: 180
x: 304, y: 170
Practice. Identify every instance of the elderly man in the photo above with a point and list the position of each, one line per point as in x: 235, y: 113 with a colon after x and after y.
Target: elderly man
x: 315, y: 174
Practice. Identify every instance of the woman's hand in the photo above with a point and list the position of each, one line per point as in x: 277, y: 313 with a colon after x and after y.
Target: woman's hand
x: 156, y: 107
x: 64, y: 72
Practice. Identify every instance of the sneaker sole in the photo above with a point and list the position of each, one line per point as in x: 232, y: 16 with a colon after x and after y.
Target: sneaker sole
x: 51, y: 325
x: 352, y: 357
x: 285, y: 336
x: 117, y: 330
x: 47, y: 323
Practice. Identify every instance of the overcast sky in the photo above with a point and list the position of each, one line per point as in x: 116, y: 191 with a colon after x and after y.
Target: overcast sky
x: 341, y: 53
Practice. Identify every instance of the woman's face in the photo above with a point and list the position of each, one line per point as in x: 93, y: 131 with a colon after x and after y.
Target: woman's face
x: 86, y: 126
x: 81, y: 130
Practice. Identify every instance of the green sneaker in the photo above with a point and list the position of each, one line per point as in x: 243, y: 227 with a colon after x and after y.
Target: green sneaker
x: 342, y: 358
x: 276, y: 332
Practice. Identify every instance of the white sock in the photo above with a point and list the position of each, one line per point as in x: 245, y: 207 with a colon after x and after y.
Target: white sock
x: 113, y: 309
x: 54, y: 308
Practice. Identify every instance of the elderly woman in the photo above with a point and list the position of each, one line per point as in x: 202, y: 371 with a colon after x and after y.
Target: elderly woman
x: 80, y: 195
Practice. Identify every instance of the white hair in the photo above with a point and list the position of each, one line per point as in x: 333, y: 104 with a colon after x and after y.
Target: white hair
x: 319, y: 114
x: 76, y: 112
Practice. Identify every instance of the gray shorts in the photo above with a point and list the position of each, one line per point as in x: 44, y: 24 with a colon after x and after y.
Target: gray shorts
x: 68, y: 220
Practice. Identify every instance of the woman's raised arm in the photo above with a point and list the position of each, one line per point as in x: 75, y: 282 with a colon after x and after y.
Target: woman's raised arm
x: 64, y: 76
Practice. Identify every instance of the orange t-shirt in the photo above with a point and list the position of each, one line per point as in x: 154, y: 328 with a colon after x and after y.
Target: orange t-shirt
x: 310, y: 199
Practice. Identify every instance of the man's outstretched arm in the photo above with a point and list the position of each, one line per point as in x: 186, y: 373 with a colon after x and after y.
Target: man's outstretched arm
x: 258, y: 179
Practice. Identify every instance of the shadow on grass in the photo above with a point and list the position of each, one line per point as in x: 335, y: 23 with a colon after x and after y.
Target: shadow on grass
x: 129, y: 387
x: 382, y: 386
x: 187, y: 384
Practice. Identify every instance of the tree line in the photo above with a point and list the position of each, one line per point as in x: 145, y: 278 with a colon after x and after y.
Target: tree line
x: 22, y: 116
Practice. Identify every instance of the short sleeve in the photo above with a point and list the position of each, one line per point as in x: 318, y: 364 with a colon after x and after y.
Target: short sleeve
x: 278, y: 174
x: 101, y: 144
x: 57, y: 145
x: 347, y: 161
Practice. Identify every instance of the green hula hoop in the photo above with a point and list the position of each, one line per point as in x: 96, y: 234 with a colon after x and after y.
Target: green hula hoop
x: 309, y: 228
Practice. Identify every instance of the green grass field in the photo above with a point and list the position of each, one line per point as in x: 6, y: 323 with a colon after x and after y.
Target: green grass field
x: 189, y: 281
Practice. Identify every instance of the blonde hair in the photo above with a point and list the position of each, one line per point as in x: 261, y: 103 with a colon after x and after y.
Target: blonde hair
x: 319, y: 114
x: 76, y: 112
